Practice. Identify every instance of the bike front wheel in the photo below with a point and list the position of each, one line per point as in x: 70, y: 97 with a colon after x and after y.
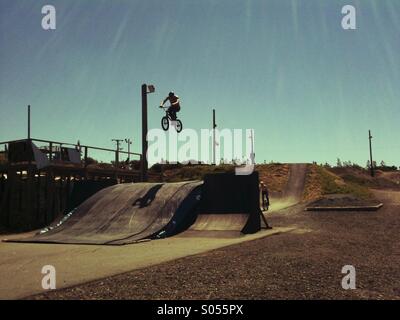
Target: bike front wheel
x: 165, y: 123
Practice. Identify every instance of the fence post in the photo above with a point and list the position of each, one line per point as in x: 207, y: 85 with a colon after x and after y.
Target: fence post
x: 51, y: 151
x: 86, y: 156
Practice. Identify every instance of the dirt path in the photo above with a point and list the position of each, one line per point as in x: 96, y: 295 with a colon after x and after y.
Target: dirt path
x: 305, y: 263
x: 297, y: 179
x: 293, y: 191
x: 21, y: 263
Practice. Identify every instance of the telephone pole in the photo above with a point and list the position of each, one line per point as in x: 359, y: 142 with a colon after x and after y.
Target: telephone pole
x: 214, y: 141
x: 129, y: 142
x: 370, y: 153
x: 29, y: 122
x: 252, y: 154
x: 117, y: 151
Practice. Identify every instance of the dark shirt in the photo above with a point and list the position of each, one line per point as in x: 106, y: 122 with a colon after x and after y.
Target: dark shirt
x: 172, y: 100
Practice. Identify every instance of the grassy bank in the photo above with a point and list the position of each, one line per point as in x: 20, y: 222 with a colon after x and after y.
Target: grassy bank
x: 320, y: 181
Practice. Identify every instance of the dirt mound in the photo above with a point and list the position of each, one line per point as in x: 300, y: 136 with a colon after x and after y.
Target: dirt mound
x: 341, y: 200
x: 393, y: 176
x: 362, y: 177
x: 275, y: 176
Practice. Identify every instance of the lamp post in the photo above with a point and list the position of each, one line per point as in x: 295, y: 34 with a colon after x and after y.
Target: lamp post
x: 145, y: 90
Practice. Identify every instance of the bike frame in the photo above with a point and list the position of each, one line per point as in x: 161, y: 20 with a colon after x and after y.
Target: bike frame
x: 167, y: 113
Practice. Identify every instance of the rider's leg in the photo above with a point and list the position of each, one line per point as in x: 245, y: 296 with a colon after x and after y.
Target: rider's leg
x: 264, y: 201
x: 172, y: 112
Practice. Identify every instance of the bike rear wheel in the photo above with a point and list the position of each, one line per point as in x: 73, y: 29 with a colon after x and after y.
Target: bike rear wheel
x: 178, y: 125
x: 165, y: 123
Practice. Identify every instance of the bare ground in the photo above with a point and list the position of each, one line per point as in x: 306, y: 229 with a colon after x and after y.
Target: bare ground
x: 303, y: 264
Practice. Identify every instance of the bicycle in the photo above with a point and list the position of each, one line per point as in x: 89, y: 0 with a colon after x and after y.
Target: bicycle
x: 168, y: 118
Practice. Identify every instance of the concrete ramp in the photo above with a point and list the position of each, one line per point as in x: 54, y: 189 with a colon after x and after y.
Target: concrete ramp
x: 127, y: 213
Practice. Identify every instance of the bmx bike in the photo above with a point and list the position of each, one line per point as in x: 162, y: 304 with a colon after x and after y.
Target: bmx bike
x: 168, y: 118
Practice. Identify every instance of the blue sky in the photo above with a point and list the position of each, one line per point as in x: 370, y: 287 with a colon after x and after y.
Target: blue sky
x: 310, y: 89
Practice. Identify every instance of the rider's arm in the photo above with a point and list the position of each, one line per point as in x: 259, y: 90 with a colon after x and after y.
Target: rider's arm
x: 164, y: 101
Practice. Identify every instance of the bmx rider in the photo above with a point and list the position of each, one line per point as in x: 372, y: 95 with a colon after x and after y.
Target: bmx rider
x: 174, y: 107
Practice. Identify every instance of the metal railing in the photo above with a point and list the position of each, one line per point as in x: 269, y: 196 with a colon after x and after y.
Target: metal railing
x: 54, y: 147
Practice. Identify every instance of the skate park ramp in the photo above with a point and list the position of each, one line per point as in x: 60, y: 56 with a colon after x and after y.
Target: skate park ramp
x: 229, y: 203
x: 294, y: 188
x: 127, y: 213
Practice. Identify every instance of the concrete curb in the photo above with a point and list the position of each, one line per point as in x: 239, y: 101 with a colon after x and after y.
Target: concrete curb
x: 346, y: 208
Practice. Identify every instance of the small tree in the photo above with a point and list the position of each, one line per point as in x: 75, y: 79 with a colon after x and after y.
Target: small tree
x: 90, y: 161
x: 338, y: 163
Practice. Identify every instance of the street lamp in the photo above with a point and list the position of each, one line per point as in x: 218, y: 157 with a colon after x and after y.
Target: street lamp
x: 145, y: 90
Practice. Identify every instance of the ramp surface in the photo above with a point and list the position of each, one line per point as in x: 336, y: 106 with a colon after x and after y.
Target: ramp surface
x: 295, y: 184
x: 123, y: 213
x: 220, y: 222
x: 294, y: 189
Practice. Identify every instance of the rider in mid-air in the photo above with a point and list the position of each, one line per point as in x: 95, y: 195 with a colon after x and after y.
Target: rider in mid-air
x: 175, y: 106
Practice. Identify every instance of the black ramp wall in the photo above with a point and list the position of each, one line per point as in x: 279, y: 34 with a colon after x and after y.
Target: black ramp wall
x: 125, y: 213
x: 229, y: 202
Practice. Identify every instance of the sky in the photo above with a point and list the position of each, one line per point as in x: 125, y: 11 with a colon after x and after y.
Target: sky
x: 285, y: 68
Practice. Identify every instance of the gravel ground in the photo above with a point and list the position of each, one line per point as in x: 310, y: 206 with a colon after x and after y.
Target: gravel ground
x: 303, y: 264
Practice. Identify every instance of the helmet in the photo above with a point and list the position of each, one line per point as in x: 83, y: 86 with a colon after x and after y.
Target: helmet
x: 171, y: 94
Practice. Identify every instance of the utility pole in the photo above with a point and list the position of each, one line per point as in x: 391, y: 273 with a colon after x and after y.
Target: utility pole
x: 252, y: 154
x: 29, y: 122
x: 129, y: 142
x: 117, y: 151
x: 214, y: 141
x: 370, y: 153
